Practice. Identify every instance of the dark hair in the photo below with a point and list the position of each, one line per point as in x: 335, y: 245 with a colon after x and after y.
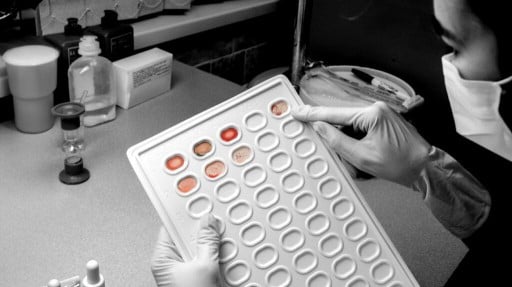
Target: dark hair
x: 496, y: 15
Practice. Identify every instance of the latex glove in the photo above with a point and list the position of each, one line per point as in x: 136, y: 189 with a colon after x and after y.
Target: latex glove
x: 392, y: 148
x: 170, y: 270
x: 456, y: 198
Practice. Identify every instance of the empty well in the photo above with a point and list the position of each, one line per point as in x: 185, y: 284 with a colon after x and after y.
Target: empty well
x: 317, y: 167
x: 254, y: 175
x: 279, y: 217
x: 368, y: 250
x: 279, y: 161
x: 237, y: 273
x: 255, y: 121
x: 355, y: 229
x: 318, y: 279
x: 382, y: 272
x: 266, y: 196
x: 304, y: 147
x: 292, y: 239
x: 305, y: 261
x: 358, y: 281
x: 342, y: 208
x: 239, y: 212
x: 199, y: 205
x: 267, y: 141
x: 265, y: 256
x: 344, y: 267
x: 227, y: 191
x: 304, y: 202
x: 292, y: 128
x: 292, y: 181
x: 317, y: 223
x: 280, y: 276
x: 329, y: 187
x: 252, y: 233
x: 330, y: 245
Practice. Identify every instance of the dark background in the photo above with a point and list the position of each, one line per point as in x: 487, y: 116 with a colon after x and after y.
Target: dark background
x: 394, y: 36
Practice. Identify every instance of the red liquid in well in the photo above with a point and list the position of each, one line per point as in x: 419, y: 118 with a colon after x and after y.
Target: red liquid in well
x: 279, y: 108
x: 187, y: 184
x: 215, y: 169
x: 175, y: 162
x: 229, y: 134
x: 202, y: 148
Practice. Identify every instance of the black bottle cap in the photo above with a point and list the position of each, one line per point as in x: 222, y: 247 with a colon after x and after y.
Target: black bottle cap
x: 73, y: 28
x: 74, y: 171
x: 109, y: 19
x: 69, y: 114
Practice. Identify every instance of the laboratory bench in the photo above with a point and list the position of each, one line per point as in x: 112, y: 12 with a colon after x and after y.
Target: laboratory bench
x: 50, y: 230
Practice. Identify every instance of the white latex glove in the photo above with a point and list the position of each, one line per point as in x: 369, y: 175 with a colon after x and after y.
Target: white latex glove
x: 170, y: 270
x: 392, y: 148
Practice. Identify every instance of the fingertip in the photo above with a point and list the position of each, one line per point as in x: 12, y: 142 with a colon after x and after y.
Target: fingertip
x: 319, y: 127
x: 209, y: 220
x: 301, y: 112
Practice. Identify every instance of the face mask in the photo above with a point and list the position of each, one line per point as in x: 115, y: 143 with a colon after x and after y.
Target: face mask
x: 475, y: 110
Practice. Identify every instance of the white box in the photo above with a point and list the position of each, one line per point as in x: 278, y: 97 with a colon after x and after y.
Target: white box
x: 142, y: 76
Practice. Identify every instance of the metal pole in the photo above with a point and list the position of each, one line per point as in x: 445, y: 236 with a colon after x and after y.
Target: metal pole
x: 299, y: 47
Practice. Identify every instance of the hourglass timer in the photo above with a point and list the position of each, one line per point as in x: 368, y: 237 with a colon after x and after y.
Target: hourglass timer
x: 72, y: 143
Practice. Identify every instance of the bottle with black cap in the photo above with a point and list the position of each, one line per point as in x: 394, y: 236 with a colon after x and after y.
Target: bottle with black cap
x: 73, y: 142
x: 116, y: 38
x: 67, y: 43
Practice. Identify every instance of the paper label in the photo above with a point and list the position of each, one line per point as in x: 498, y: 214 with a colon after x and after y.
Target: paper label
x: 151, y: 73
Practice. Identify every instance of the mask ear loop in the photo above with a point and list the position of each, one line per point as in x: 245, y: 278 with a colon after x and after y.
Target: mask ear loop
x: 505, y: 106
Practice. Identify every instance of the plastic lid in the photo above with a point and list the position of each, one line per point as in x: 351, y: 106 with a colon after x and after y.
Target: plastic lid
x: 109, y: 19
x: 93, y: 272
x: 89, y: 46
x: 30, y: 55
x: 69, y: 114
x: 73, y: 28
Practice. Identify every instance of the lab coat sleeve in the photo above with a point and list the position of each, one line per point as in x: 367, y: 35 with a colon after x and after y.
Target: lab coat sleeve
x: 456, y: 198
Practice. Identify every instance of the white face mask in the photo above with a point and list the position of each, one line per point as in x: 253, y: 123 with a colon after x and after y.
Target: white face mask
x: 475, y: 110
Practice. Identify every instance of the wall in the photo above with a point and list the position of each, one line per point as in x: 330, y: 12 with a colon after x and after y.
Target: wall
x: 236, y: 52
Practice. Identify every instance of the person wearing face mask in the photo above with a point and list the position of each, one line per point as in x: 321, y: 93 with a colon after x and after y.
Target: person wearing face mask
x: 477, y: 75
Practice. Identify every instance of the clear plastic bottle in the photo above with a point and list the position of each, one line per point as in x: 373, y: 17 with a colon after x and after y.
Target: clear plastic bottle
x: 91, y: 82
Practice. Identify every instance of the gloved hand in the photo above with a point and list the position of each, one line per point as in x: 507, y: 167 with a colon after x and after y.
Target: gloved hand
x: 392, y: 148
x: 170, y: 270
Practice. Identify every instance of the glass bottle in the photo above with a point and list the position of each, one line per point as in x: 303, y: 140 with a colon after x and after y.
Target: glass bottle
x: 91, y: 82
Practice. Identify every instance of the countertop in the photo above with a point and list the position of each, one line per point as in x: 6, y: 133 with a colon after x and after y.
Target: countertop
x: 50, y: 230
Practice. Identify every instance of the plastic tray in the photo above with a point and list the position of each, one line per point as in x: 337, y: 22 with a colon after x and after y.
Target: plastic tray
x: 292, y: 215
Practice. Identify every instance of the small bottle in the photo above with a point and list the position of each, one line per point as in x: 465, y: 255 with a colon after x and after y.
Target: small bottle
x: 67, y: 43
x: 116, y: 39
x: 91, y: 82
x: 93, y: 277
